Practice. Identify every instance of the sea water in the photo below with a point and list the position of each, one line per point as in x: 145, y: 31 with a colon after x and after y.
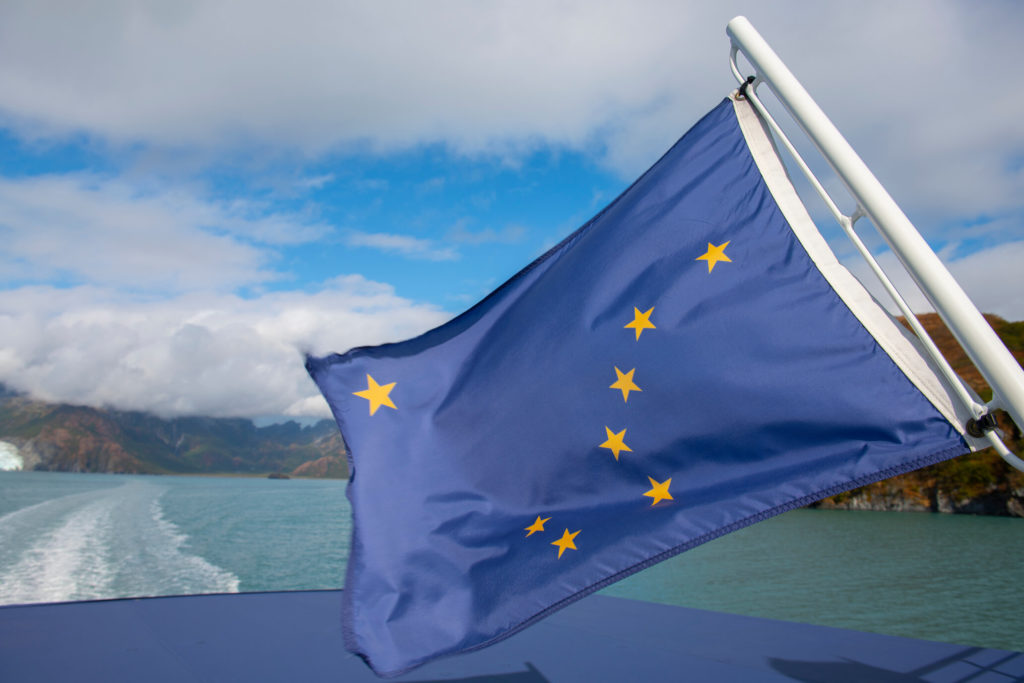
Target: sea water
x: 90, y: 536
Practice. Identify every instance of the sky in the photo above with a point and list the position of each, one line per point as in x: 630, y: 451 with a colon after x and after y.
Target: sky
x: 195, y: 194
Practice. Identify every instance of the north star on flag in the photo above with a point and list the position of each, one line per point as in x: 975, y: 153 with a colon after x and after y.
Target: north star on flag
x: 689, y: 362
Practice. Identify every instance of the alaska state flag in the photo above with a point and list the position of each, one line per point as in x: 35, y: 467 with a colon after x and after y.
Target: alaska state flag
x: 691, y: 361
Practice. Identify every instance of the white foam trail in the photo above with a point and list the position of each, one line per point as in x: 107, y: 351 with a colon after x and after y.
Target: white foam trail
x: 154, y: 563
x: 67, y: 563
x: 20, y: 529
x: 101, y: 544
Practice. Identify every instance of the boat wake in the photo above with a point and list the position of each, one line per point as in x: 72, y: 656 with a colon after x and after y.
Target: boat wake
x: 109, y: 543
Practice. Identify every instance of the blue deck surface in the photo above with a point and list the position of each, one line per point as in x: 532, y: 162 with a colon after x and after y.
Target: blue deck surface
x: 296, y: 636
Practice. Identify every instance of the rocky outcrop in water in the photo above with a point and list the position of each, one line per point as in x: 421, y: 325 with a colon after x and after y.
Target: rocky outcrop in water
x: 977, y: 484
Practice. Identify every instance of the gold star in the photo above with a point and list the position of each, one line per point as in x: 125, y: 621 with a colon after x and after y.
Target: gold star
x: 376, y: 394
x: 641, y: 321
x: 659, y: 492
x: 714, y: 255
x: 615, y: 442
x: 536, y: 526
x: 625, y: 382
x: 566, y: 542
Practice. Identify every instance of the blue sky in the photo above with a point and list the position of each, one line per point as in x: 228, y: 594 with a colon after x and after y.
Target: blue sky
x: 193, y: 193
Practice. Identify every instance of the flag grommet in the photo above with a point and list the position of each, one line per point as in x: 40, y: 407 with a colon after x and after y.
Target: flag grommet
x: 981, y: 426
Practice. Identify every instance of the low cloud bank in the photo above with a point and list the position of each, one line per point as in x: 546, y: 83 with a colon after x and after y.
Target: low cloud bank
x: 216, y: 355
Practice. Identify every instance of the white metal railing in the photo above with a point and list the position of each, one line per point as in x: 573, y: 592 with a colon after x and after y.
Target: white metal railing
x: 983, y: 346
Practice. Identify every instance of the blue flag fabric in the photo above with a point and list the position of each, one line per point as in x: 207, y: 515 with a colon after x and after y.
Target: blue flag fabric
x: 678, y: 368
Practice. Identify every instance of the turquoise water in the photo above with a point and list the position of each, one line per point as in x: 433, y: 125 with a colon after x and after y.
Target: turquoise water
x: 90, y: 536
x: 77, y: 537
x: 953, y: 578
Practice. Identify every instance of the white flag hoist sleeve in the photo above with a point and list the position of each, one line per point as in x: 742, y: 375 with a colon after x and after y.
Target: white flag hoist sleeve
x: 994, y: 361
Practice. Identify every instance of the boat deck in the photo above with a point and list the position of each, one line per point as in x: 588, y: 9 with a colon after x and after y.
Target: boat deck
x: 296, y: 636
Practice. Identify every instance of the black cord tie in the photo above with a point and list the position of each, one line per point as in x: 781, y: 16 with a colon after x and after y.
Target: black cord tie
x: 743, y: 88
x: 981, y: 426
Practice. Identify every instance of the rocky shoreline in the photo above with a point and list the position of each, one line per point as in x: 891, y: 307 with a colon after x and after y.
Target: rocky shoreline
x: 891, y: 497
x: 974, y: 484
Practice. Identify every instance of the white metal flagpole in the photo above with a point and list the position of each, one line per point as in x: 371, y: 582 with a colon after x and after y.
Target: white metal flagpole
x: 983, y: 346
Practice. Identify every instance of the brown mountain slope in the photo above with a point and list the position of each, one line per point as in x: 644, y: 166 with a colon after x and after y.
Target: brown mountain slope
x: 81, y: 439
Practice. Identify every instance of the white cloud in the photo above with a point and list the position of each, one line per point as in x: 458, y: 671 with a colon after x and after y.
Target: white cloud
x: 920, y: 87
x: 315, y: 182
x: 105, y: 231
x: 510, y: 234
x: 404, y: 245
x: 216, y: 355
x: 316, y: 74
x: 991, y: 278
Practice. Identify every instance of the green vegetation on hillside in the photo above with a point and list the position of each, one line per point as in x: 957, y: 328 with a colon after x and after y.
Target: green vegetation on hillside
x: 82, y: 439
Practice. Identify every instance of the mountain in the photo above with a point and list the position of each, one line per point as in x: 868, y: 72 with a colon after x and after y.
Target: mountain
x: 66, y: 438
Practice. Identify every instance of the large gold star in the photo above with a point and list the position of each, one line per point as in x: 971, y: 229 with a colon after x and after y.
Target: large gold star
x: 659, y: 492
x: 566, y: 542
x: 641, y: 321
x: 536, y: 526
x: 376, y: 394
x: 625, y: 383
x: 714, y: 255
x: 615, y: 442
